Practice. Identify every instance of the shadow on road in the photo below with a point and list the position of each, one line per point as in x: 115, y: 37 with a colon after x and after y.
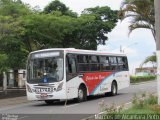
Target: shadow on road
x: 73, y: 101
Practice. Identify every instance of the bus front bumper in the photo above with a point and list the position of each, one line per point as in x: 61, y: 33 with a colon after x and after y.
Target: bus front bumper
x: 47, y: 96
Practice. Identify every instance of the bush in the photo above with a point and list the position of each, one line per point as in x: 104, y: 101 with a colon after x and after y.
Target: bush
x: 144, y: 104
x: 155, y: 108
x: 151, y: 100
x: 138, y: 103
x: 136, y: 79
x: 145, y: 101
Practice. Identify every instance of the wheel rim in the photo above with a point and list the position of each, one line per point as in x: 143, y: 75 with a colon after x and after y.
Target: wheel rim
x: 80, y: 94
x: 114, y: 89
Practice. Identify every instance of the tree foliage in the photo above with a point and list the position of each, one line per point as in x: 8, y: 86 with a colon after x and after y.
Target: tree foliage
x: 11, y: 45
x: 57, y: 30
x: 14, y: 8
x: 59, y: 6
x: 150, y: 59
x: 104, y: 21
x: 46, y: 31
x: 141, y: 12
x: 3, y: 64
x: 23, y: 29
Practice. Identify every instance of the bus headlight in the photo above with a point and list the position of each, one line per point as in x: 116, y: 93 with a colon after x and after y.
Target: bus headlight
x: 60, y: 86
x: 28, y: 89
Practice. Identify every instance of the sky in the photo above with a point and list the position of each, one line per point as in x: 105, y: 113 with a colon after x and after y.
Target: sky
x: 137, y: 46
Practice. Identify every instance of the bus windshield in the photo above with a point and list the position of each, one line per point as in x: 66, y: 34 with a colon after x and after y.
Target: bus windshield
x: 45, y: 68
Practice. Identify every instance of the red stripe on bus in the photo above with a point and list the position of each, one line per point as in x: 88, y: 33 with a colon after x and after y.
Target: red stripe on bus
x: 93, y: 79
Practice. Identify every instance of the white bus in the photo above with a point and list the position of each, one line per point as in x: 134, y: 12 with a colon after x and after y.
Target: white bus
x: 60, y: 74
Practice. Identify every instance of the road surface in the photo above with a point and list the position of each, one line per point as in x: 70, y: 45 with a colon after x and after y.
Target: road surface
x: 74, y: 111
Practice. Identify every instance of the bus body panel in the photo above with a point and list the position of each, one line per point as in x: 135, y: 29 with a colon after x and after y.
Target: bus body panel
x: 123, y: 79
x: 72, y: 87
x: 97, y: 83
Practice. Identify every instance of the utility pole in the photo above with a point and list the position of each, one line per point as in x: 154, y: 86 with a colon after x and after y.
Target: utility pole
x: 157, y: 27
x: 121, y: 49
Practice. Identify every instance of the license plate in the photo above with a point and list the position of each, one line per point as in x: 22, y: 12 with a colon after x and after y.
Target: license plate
x: 44, y: 95
x: 44, y: 90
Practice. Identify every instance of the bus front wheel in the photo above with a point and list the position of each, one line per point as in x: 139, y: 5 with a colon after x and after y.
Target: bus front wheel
x: 82, y: 94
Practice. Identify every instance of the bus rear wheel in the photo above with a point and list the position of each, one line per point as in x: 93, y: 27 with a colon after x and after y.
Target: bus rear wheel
x: 82, y: 94
x: 114, y: 88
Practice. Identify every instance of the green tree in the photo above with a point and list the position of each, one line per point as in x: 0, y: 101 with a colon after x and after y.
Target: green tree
x: 150, y: 59
x: 141, y: 12
x: 59, y: 6
x: 80, y: 33
x: 46, y: 30
x: 3, y: 64
x: 14, y: 8
x: 11, y: 44
x: 99, y: 21
x: 56, y: 30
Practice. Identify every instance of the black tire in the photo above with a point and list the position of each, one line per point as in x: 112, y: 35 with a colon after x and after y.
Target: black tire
x: 49, y: 102
x: 82, y: 94
x: 114, y: 88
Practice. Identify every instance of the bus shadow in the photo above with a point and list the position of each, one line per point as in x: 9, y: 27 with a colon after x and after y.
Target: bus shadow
x: 57, y: 103
x: 92, y: 98
x: 72, y: 102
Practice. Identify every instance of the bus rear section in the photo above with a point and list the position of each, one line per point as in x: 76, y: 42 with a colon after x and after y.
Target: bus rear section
x: 92, y: 73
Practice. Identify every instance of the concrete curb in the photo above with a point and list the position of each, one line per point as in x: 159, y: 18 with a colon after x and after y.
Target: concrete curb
x: 13, y: 101
x: 12, y: 94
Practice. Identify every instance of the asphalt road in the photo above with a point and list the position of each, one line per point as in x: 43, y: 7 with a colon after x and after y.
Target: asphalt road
x: 73, y: 110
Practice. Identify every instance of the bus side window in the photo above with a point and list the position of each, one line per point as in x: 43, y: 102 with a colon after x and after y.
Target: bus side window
x: 82, y: 63
x: 94, y: 63
x: 113, y: 63
x: 120, y: 63
x: 72, y: 65
x: 104, y: 62
x: 125, y: 63
x: 71, y: 69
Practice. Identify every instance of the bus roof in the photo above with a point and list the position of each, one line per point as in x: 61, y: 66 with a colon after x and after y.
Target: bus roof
x: 80, y: 51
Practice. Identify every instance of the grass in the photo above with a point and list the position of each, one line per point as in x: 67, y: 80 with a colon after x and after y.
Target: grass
x: 138, y: 111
